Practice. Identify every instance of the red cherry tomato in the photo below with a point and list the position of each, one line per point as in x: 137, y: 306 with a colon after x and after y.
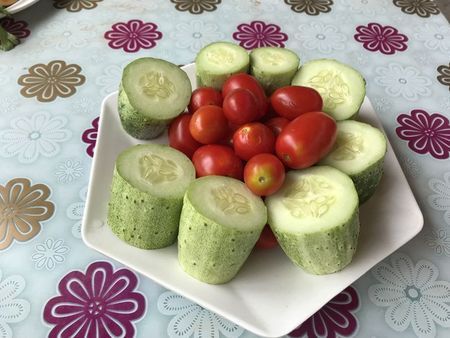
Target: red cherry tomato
x: 243, y: 80
x: 208, y: 125
x: 240, y: 106
x: 252, y: 139
x: 264, y: 174
x: 180, y: 137
x: 267, y: 239
x: 204, y: 96
x: 276, y: 124
x: 305, y: 140
x: 292, y: 101
x: 214, y: 159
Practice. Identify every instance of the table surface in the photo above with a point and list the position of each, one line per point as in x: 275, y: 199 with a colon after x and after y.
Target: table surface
x: 71, y: 56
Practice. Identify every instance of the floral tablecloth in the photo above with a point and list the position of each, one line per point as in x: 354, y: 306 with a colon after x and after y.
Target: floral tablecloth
x: 71, y: 56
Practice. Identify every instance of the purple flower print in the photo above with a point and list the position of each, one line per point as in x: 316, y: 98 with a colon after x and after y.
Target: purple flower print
x: 98, y: 303
x: 425, y: 133
x: 334, y: 319
x: 17, y: 28
x: 133, y: 35
x: 90, y: 137
x: 385, y: 39
x: 258, y: 34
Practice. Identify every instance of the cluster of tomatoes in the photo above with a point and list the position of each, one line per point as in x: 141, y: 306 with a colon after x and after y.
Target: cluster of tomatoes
x: 242, y: 133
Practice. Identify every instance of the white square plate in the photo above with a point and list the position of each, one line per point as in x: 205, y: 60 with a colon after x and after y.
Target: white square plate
x: 269, y: 296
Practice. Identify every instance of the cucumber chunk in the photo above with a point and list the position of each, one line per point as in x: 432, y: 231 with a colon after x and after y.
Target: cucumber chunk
x: 359, y: 152
x: 220, y: 223
x: 315, y: 218
x: 217, y: 61
x: 273, y: 67
x: 342, y: 88
x: 147, y: 192
x: 152, y: 92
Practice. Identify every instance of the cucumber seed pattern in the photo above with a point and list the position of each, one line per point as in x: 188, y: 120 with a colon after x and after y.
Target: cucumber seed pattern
x: 311, y: 196
x: 155, y: 169
x: 331, y: 87
x: 220, y: 56
x: 347, y: 146
x: 272, y: 58
x: 230, y: 201
x: 156, y: 85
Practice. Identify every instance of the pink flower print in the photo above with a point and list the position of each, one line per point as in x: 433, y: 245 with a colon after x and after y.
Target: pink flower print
x: 17, y: 28
x: 99, y: 303
x: 335, y: 319
x: 133, y: 35
x: 425, y: 133
x: 258, y: 34
x: 90, y: 137
x: 385, y: 39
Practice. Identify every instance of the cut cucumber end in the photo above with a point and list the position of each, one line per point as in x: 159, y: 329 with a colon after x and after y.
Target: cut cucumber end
x: 147, y: 192
x: 342, y: 87
x: 220, y: 222
x: 273, y: 67
x: 315, y: 218
x: 216, y: 62
x: 359, y: 152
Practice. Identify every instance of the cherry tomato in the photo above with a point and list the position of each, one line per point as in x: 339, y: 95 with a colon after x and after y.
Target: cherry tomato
x: 204, y: 96
x: 292, y: 101
x: 306, y: 139
x: 264, y: 174
x: 208, y: 125
x: 180, y: 137
x: 276, y: 124
x: 215, y: 159
x: 252, y: 139
x: 240, y: 106
x: 267, y: 239
x: 243, y: 80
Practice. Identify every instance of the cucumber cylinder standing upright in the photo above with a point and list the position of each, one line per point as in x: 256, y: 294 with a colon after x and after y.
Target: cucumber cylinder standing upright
x: 152, y: 93
x: 315, y: 218
x: 273, y: 67
x: 359, y: 152
x: 147, y: 192
x: 220, y: 223
x: 342, y: 87
x: 217, y: 61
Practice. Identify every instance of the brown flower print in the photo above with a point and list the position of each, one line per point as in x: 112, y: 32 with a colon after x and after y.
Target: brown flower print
x: 310, y: 7
x: 423, y: 8
x: 444, y: 75
x: 75, y: 5
x: 196, y: 6
x: 22, y: 207
x: 47, y: 82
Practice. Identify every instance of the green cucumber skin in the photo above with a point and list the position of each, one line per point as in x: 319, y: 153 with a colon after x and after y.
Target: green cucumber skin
x: 140, y: 219
x: 211, y: 253
x: 136, y: 124
x: 366, y: 182
x: 216, y: 81
x: 336, y: 250
x: 271, y: 82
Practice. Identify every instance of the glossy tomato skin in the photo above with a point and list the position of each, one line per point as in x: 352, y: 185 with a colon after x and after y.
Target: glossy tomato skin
x: 204, y: 96
x: 306, y: 139
x: 246, y: 81
x: 208, y: 125
x: 240, y: 106
x: 264, y: 174
x: 276, y: 124
x: 293, y: 101
x: 180, y: 137
x: 253, y: 138
x: 215, y: 159
x: 267, y: 239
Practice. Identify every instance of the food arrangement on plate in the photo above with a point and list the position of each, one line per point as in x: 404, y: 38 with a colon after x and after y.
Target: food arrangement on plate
x: 266, y: 149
